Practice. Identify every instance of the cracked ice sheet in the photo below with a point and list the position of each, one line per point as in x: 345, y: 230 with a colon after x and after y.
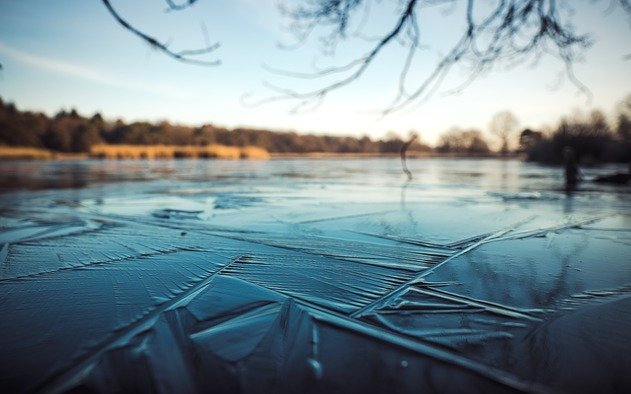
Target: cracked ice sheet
x: 225, y: 336
x: 338, y: 285
x: 107, y: 243
x: 320, y: 210
x: 545, y: 308
x: 539, y: 272
x: 423, y: 222
x: 69, y: 312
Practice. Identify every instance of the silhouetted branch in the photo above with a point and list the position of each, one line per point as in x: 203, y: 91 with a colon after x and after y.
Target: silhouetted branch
x: 494, y: 32
x: 626, y: 6
x: 178, y: 7
x: 511, y: 31
x: 184, y: 55
x: 328, y: 13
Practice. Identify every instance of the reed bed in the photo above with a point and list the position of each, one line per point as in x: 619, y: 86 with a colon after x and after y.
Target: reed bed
x: 18, y: 152
x: 177, y: 152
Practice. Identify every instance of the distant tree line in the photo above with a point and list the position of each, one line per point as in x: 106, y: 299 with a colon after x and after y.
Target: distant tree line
x: 463, y: 142
x: 71, y: 132
x: 593, y: 138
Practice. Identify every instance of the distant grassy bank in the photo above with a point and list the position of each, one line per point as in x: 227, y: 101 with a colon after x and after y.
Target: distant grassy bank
x: 159, y: 152
x: 177, y: 152
x: 18, y: 152
x: 152, y: 152
x: 148, y: 152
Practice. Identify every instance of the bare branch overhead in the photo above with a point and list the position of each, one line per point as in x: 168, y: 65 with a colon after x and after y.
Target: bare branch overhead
x: 186, y: 56
x: 178, y: 7
x: 509, y: 32
x: 494, y: 33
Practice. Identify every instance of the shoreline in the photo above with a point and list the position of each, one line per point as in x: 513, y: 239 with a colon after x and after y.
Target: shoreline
x: 221, y: 152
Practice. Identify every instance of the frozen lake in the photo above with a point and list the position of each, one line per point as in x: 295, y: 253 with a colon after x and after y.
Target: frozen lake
x: 312, y: 276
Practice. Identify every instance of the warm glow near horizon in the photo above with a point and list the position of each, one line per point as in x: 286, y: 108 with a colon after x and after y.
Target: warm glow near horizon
x: 68, y: 54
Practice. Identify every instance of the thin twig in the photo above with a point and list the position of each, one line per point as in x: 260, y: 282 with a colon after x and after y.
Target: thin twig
x: 183, y: 56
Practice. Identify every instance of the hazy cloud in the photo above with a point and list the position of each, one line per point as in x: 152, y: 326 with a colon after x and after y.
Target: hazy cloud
x: 84, y: 73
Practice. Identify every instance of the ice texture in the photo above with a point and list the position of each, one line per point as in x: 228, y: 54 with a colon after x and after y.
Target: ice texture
x: 311, y: 276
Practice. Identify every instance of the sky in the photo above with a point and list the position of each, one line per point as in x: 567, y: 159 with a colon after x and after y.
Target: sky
x: 67, y: 54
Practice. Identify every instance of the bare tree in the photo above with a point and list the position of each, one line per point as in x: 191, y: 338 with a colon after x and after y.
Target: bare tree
x: 459, y: 141
x: 494, y: 32
x: 624, y: 119
x: 503, y: 125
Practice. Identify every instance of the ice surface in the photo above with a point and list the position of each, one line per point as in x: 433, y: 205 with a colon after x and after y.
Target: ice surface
x: 311, y: 276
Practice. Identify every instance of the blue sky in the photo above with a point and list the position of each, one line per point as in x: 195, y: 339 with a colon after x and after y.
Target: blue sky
x: 72, y: 54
